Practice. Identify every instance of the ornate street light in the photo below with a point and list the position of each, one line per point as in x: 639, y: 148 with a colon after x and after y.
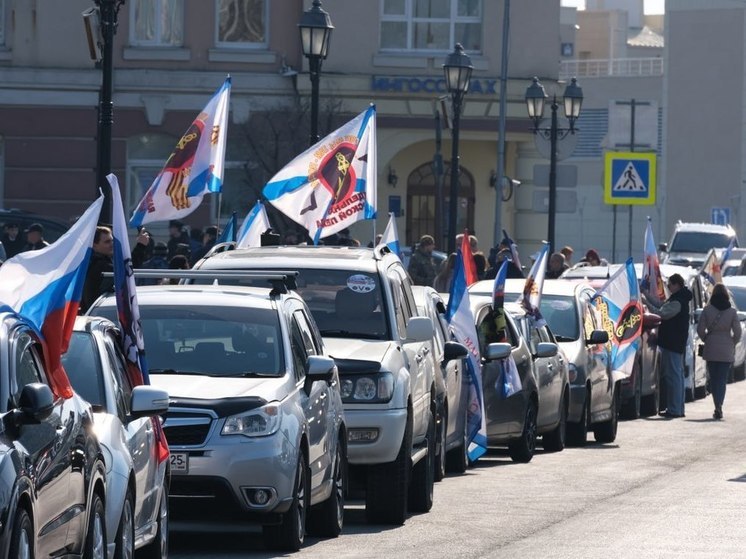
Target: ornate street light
x: 315, y: 33
x: 457, y: 69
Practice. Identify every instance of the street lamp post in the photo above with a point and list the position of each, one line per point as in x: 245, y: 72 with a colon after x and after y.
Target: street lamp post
x: 315, y: 32
x: 573, y: 100
x: 457, y: 69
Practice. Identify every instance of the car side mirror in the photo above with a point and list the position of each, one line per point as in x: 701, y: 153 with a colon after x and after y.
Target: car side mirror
x: 650, y: 321
x: 598, y: 337
x: 318, y: 367
x: 147, y: 401
x: 498, y: 351
x: 454, y: 350
x: 546, y: 349
x: 35, y: 403
x: 420, y: 329
x: 663, y: 247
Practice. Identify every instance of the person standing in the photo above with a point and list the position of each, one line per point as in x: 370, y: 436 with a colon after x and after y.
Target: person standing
x: 557, y: 266
x: 35, y: 237
x: 12, y: 239
x: 720, y: 330
x: 176, y: 235
x: 673, y: 334
x: 209, y: 238
x: 421, y: 265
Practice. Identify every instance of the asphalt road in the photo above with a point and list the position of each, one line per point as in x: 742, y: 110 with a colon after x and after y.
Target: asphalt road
x: 666, y: 488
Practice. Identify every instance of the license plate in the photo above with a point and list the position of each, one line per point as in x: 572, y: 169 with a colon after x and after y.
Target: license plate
x: 179, y: 462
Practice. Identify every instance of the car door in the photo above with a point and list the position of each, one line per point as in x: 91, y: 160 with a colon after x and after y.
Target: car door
x: 544, y: 372
x: 48, y: 450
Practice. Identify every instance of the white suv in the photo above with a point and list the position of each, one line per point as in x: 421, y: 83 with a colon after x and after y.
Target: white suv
x: 691, y: 242
x: 362, y: 301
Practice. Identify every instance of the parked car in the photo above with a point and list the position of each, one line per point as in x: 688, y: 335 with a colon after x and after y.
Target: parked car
x: 53, y: 228
x: 577, y: 327
x: 362, y: 301
x: 451, y: 385
x: 52, y: 473
x: 136, y: 484
x: 255, y: 425
x: 691, y: 241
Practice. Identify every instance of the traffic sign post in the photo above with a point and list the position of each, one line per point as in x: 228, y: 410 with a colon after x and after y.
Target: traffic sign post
x: 720, y: 216
x: 629, y: 178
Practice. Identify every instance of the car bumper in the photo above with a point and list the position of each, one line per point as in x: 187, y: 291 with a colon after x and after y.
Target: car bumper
x: 388, y: 427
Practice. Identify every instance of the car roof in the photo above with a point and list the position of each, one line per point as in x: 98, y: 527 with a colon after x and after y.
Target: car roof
x: 200, y: 295
x: 515, y: 285
x: 704, y: 227
x: 735, y: 281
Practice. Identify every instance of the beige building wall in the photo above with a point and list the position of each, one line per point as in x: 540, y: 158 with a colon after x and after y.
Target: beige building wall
x: 602, y: 34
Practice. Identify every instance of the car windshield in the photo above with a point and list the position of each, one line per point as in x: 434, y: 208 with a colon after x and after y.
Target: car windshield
x: 83, y: 368
x: 561, y: 315
x: 698, y: 241
x: 214, y: 341
x: 739, y: 297
x: 344, y: 303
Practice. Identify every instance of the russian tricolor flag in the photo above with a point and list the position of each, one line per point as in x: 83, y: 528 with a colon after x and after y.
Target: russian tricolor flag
x: 45, y: 287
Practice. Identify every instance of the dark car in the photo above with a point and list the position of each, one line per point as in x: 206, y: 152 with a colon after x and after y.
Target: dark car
x: 52, y: 474
x: 53, y: 228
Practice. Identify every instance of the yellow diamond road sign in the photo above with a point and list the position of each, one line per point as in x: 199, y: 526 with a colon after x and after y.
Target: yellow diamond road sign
x: 629, y: 178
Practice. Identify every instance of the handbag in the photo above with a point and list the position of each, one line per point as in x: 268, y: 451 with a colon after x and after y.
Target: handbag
x: 701, y: 347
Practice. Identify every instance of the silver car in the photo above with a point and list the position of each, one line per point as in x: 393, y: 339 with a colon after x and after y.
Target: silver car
x: 255, y: 424
x: 136, y: 484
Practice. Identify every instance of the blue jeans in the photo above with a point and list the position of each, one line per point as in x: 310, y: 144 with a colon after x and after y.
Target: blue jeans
x: 718, y: 371
x: 673, y: 374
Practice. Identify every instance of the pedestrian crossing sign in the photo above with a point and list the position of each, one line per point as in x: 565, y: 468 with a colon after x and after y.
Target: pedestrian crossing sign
x: 629, y: 178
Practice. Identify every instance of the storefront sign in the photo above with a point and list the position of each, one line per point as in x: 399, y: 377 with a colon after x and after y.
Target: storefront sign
x: 404, y: 84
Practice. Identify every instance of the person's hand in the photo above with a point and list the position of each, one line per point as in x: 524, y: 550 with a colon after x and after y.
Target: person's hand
x: 143, y: 237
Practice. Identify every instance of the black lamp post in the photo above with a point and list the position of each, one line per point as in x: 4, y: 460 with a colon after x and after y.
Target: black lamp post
x: 457, y: 69
x: 573, y: 100
x: 315, y: 32
x: 108, y: 10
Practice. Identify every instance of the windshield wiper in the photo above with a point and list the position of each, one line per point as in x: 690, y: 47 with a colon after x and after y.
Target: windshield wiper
x: 564, y: 338
x: 348, y: 334
x: 173, y: 372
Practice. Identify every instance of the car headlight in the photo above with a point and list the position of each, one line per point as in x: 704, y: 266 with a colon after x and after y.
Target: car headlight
x: 374, y: 388
x: 260, y: 422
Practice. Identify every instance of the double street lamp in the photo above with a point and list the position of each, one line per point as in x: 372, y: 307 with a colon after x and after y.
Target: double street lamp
x: 457, y: 69
x: 573, y: 100
x: 315, y: 33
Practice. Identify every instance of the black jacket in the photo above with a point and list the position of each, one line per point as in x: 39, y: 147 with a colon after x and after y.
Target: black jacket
x: 514, y: 272
x: 13, y: 247
x: 674, y: 332
x: 95, y: 282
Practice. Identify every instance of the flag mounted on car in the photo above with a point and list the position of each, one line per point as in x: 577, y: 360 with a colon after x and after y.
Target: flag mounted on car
x: 651, y: 283
x: 254, y: 224
x: 531, y: 298
x: 331, y: 185
x: 229, y: 232
x: 390, y: 237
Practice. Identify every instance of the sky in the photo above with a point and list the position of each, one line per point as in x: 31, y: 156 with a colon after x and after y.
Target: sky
x: 651, y: 6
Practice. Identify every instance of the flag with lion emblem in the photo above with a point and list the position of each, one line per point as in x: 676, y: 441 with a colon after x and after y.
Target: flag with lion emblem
x: 195, y: 167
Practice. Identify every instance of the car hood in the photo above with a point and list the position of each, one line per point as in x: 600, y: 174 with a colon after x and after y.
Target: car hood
x: 203, y: 387
x: 361, y: 350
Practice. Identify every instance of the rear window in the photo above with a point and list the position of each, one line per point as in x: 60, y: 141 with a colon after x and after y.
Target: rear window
x: 698, y: 241
x: 216, y: 341
x: 83, y: 368
x: 739, y: 297
x: 561, y: 315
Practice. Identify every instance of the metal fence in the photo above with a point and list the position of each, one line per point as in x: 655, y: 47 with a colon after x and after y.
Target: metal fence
x: 615, y: 67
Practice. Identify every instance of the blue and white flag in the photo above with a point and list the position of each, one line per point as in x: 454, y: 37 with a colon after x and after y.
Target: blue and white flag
x: 460, y: 317
x: 531, y: 298
x: 331, y: 185
x: 195, y: 167
x: 229, y: 232
x: 508, y: 381
x: 390, y: 237
x: 254, y: 224
x: 651, y: 283
x: 618, y: 304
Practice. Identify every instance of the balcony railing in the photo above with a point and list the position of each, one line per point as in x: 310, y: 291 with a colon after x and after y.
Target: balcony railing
x: 615, y: 67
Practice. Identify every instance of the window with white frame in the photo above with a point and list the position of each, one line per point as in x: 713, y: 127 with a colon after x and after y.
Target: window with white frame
x: 431, y: 25
x: 157, y: 23
x: 241, y: 23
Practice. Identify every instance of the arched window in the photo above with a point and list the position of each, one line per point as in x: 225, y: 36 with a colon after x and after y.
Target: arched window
x: 421, y: 202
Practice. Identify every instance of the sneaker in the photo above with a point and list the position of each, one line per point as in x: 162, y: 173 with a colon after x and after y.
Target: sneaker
x: 717, y: 414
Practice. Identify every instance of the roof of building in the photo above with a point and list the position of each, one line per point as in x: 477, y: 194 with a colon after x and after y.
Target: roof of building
x: 645, y: 37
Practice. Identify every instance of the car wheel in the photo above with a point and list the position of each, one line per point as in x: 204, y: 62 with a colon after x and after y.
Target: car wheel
x: 522, y: 449
x: 440, y: 455
x: 649, y: 404
x: 327, y: 518
x: 739, y: 373
x: 95, y: 540
x: 606, y: 432
x: 22, y: 538
x: 290, y: 533
x: 423, y: 474
x: 577, y: 433
x: 631, y: 408
x: 158, y: 548
x: 387, y: 490
x: 554, y: 441
x: 700, y: 392
x: 126, y: 532
x: 457, y: 459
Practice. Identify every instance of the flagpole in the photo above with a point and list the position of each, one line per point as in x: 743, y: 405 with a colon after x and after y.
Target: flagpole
x: 220, y: 207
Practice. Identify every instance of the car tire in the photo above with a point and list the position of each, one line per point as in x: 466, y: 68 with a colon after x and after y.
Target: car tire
x: 95, y: 539
x: 555, y: 440
x: 125, y: 539
x: 440, y: 455
x: 387, y: 491
x: 739, y: 373
x: 606, y: 432
x: 700, y: 392
x: 522, y: 449
x: 457, y: 459
x: 158, y: 548
x: 650, y: 403
x: 290, y: 533
x: 577, y: 433
x: 327, y: 519
x: 631, y: 408
x: 423, y: 474
x: 22, y: 537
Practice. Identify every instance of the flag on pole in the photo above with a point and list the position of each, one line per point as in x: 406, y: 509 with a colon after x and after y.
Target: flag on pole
x: 390, y: 236
x: 652, y: 281
x: 711, y: 269
x: 513, y: 249
x: 509, y: 380
x: 618, y: 303
x: 470, y: 268
x: 254, y: 224
x: 726, y: 254
x: 229, y: 233
x: 195, y: 167
x: 531, y: 298
x: 460, y: 317
x: 331, y: 185
x: 45, y: 287
x: 128, y: 311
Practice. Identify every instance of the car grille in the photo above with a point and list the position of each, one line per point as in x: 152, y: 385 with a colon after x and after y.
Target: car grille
x: 187, y: 428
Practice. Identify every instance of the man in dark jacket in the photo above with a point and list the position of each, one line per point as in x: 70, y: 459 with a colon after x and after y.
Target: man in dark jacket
x: 176, y: 235
x: 35, y: 237
x: 421, y: 265
x: 209, y: 238
x: 12, y: 239
x: 673, y: 334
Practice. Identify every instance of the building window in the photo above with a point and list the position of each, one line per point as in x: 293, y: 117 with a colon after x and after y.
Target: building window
x: 2, y: 22
x: 157, y: 23
x: 241, y: 23
x: 431, y: 25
